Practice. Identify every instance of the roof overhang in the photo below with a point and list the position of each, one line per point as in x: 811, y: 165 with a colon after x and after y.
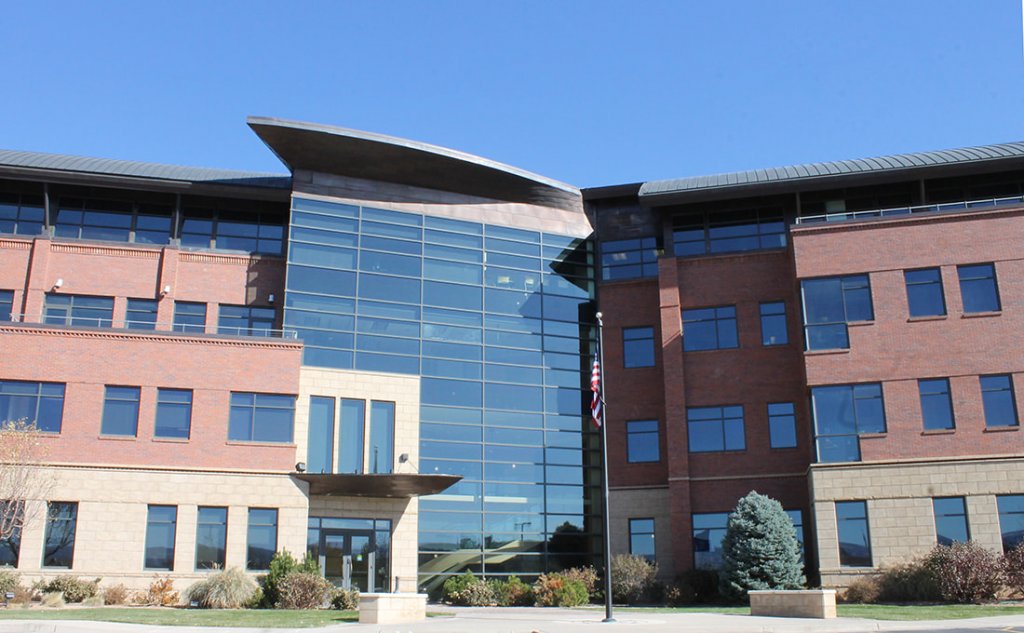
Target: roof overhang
x: 394, y: 486
x: 377, y: 157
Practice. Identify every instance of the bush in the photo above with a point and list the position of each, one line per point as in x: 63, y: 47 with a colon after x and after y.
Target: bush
x: 303, y: 590
x: 1013, y: 569
x: 586, y: 575
x: 456, y: 585
x: 9, y: 580
x: 72, y: 588
x: 116, y: 594
x: 555, y: 590
x: 632, y: 578
x: 965, y: 572
x: 512, y: 592
x: 695, y: 586
x: 863, y: 590
x: 161, y: 593
x: 52, y: 599
x: 281, y: 565
x: 760, y: 550
x: 345, y: 599
x: 228, y: 589
x: 478, y: 594
x: 912, y: 581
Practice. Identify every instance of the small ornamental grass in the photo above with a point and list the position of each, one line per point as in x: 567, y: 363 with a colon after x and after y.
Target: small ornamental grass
x: 228, y: 589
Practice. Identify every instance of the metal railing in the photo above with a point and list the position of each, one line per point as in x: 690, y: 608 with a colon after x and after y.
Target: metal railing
x: 161, y: 327
x: 965, y: 205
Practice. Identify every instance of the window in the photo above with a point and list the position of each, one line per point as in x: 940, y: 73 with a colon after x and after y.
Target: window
x: 709, y: 328
x: 161, y: 524
x: 782, y: 425
x: 59, y: 546
x: 708, y: 532
x: 727, y: 231
x: 924, y: 292
x: 10, y: 547
x: 629, y: 259
x: 854, y: 539
x: 245, y: 320
x: 189, y: 317
x: 936, y: 405
x: 1011, y: 520
x: 173, y: 413
x: 21, y: 214
x: 113, y: 220
x: 841, y: 413
x: 978, y: 288
x: 715, y: 429
x: 773, y: 323
x: 641, y: 538
x: 998, y: 400
x: 78, y: 310
x: 6, y: 305
x: 141, y: 314
x: 120, y: 411
x: 320, y: 447
x: 211, y: 537
x: 261, y: 417
x: 642, y: 441
x: 637, y: 347
x: 950, y: 520
x: 39, y: 403
x: 382, y: 436
x: 252, y: 231
x: 351, y: 436
x: 829, y: 304
x: 797, y: 517
x: 262, y: 538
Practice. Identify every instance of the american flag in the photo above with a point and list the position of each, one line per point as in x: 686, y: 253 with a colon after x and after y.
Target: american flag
x: 595, y: 386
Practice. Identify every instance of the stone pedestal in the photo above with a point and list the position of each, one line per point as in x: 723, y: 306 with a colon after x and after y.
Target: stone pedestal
x: 803, y: 603
x: 392, y: 608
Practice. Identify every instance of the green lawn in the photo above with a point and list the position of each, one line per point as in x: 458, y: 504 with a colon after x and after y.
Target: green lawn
x: 269, y: 618
x: 869, y: 611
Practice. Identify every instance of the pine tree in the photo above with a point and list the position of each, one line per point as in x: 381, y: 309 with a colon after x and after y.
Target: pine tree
x: 760, y: 550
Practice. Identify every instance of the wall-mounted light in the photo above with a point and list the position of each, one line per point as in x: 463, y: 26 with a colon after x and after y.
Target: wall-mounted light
x: 404, y: 457
x: 166, y: 291
x: 270, y: 298
x: 58, y: 283
x: 300, y: 467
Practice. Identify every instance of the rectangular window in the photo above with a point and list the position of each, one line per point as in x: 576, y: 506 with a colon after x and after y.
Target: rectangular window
x: 936, y: 404
x: 782, y: 425
x: 6, y: 305
x: 710, y: 328
x: 841, y: 413
x: 382, y: 436
x: 173, y: 413
x: 629, y: 259
x: 1011, y: 520
x: 161, y: 526
x: 708, y: 532
x: 211, y: 537
x: 998, y: 399
x: 21, y: 214
x: 189, y: 317
x: 351, y: 436
x: 78, y: 310
x: 950, y: 520
x: 829, y: 304
x: 637, y: 347
x: 38, y: 403
x: 854, y: 537
x: 120, y: 411
x: 978, y: 288
x: 59, y: 546
x: 728, y: 231
x: 262, y: 538
x: 141, y: 314
x: 245, y: 320
x: 773, y: 324
x: 93, y: 219
x: 797, y: 517
x: 320, y: 446
x: 261, y: 417
x: 641, y: 538
x: 715, y: 429
x: 924, y: 292
x: 10, y: 547
x: 642, y: 441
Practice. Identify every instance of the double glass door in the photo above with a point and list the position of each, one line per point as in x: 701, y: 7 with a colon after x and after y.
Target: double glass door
x: 349, y: 558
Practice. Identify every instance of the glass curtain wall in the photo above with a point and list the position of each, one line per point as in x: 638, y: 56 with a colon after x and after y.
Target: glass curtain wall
x: 499, y: 324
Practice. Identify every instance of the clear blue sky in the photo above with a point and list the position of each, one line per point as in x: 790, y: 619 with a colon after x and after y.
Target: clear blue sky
x: 589, y: 92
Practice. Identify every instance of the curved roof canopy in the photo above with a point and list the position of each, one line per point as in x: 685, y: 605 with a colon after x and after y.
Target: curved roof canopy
x: 345, y: 152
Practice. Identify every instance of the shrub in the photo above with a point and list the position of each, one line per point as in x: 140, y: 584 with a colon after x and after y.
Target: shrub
x: 303, y: 590
x: 282, y: 564
x: 161, y: 593
x: 255, y: 600
x: 965, y: 572
x: 24, y: 595
x: 911, y: 581
x: 456, y: 585
x: 632, y: 578
x: 345, y: 599
x: 555, y: 590
x: 9, y: 580
x: 52, y: 599
x: 228, y: 589
x: 478, y: 594
x: 760, y: 550
x: 863, y: 590
x: 1013, y: 569
x: 512, y: 592
x: 72, y: 588
x: 695, y: 586
x: 116, y: 594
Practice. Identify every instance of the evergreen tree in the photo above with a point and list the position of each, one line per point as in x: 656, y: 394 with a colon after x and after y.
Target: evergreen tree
x: 760, y: 550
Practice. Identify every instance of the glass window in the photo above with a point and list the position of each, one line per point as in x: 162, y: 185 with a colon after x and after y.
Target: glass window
x: 262, y: 538
x: 710, y: 328
x: 715, y: 429
x: 642, y: 441
x: 189, y: 316
x: 211, y: 537
x: 351, y: 436
x: 924, y: 292
x: 1011, y: 520
x: 797, y: 517
x: 39, y: 403
x: 6, y: 305
x: 782, y: 425
x: 708, y: 532
x: 173, y: 413
x: 21, y: 215
x: 638, y: 347
x: 629, y: 259
x: 120, y: 411
x: 78, y: 310
x: 141, y: 314
x: 93, y: 219
x: 382, y: 436
x: 997, y: 397
x: 950, y: 520
x: 161, y: 526
x: 936, y: 405
x: 10, y: 547
x: 59, y: 546
x: 641, y: 538
x: 854, y: 538
x: 261, y: 417
x: 320, y: 447
x: 245, y: 320
x: 978, y: 288
x: 841, y: 413
x: 773, y: 323
x: 829, y: 304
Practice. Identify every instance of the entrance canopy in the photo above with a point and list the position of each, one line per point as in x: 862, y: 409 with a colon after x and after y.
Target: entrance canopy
x: 395, y: 485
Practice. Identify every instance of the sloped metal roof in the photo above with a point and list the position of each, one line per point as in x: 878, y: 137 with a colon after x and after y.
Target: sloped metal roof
x: 835, y: 169
x: 135, y: 169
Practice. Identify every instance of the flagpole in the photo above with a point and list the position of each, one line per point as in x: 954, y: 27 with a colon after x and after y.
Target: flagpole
x: 604, y: 480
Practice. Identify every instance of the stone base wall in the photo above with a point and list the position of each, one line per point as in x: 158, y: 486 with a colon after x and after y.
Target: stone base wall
x: 643, y: 503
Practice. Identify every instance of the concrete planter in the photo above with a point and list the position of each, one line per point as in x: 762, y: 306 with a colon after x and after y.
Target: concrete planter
x: 392, y: 608
x: 802, y: 603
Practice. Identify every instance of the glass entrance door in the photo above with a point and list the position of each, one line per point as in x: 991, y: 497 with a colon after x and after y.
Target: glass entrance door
x: 348, y: 558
